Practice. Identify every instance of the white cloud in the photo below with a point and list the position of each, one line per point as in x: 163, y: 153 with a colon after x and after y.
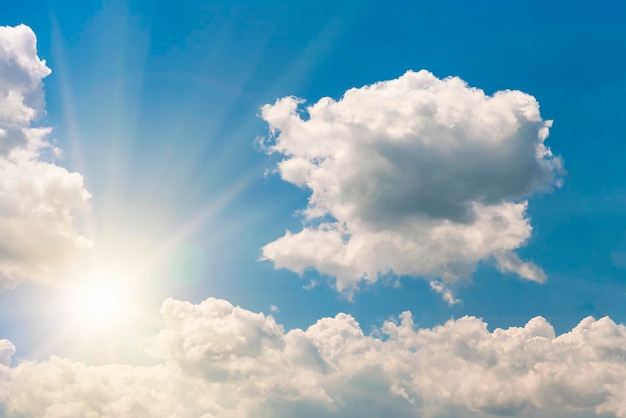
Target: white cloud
x: 417, y: 175
x: 226, y: 362
x: 37, y: 197
x: 21, y: 94
x: 444, y: 291
x: 7, y: 350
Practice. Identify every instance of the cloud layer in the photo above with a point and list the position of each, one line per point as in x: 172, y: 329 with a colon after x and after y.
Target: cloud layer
x: 418, y: 175
x: 218, y: 360
x: 37, y: 197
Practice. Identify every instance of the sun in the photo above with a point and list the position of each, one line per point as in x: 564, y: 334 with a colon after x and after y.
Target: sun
x: 99, y: 303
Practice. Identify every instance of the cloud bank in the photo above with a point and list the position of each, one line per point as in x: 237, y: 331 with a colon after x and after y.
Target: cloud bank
x: 222, y: 361
x: 37, y: 197
x: 418, y: 176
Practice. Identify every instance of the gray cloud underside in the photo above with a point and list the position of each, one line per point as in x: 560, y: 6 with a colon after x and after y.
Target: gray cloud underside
x: 418, y: 175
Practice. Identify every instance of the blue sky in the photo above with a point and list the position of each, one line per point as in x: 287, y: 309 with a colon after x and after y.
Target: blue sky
x: 158, y: 105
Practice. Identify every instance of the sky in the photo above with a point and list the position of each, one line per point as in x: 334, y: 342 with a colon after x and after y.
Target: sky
x: 333, y: 208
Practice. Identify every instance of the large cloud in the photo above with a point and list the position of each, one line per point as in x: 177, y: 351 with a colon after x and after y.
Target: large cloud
x: 37, y: 197
x: 418, y: 175
x: 226, y: 362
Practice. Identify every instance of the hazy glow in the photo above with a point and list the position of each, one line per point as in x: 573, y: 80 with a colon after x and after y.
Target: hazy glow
x: 100, y: 303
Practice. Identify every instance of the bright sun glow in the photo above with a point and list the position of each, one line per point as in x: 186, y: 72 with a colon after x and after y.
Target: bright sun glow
x: 100, y: 303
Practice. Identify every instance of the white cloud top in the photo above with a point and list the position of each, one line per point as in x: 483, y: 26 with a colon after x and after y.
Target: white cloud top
x: 37, y: 197
x: 223, y: 361
x: 418, y: 175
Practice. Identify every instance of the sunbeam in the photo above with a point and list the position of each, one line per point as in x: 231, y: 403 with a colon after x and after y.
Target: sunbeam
x: 312, y: 209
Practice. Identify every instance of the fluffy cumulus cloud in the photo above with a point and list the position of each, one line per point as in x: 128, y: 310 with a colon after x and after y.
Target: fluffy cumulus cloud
x: 37, y: 197
x: 418, y: 176
x: 222, y: 361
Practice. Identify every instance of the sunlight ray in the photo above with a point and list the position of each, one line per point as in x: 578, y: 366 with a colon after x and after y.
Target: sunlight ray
x: 199, y: 219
